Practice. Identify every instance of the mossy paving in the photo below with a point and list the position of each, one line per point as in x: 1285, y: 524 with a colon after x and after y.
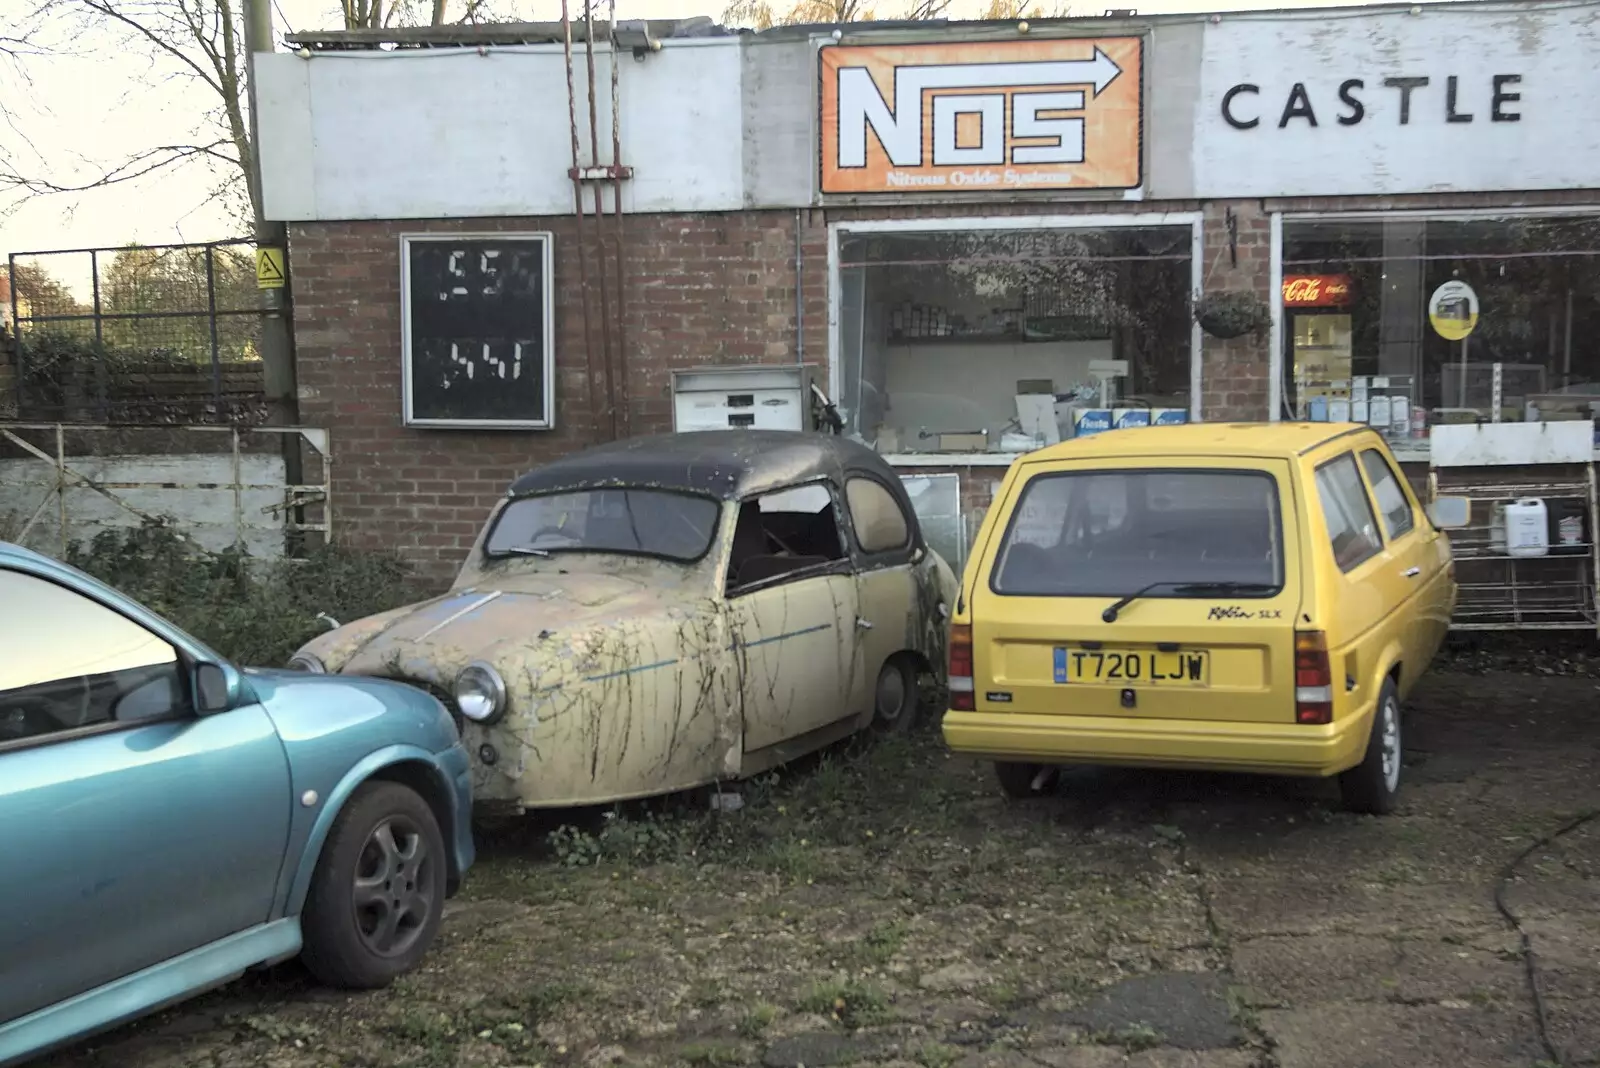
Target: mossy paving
x: 880, y: 903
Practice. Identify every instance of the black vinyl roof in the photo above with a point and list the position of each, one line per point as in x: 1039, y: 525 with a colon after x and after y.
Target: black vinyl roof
x: 727, y: 464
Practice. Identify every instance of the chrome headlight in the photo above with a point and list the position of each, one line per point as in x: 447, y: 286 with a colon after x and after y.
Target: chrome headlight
x: 480, y: 693
x: 307, y: 663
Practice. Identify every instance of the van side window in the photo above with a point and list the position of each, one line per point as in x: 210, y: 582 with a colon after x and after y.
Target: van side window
x: 1351, y: 526
x: 1398, y: 519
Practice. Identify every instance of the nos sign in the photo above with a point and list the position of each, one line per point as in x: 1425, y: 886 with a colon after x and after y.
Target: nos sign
x: 980, y: 116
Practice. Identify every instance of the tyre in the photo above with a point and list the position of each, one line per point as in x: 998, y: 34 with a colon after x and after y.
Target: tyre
x: 1018, y: 780
x: 895, y: 698
x: 1373, y: 785
x: 378, y: 891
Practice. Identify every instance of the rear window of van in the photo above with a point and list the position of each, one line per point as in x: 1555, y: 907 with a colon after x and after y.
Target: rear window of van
x: 1110, y: 532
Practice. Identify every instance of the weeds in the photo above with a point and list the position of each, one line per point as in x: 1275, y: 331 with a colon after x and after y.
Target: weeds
x: 255, y: 612
x: 880, y: 944
x: 712, y: 1055
x: 938, y: 1055
x: 754, y: 1023
x: 1242, y: 1009
x: 854, y: 1004
x: 1132, y: 1038
x: 649, y: 839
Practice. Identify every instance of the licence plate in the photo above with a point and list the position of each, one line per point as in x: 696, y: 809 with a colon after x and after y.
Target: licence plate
x: 1115, y: 667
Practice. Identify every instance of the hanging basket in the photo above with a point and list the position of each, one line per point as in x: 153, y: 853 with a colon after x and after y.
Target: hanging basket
x: 1231, y: 315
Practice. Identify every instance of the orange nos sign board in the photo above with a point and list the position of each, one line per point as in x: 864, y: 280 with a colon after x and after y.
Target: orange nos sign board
x: 993, y: 116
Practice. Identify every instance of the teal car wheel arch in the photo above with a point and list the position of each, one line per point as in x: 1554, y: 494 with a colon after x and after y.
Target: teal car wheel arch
x: 409, y: 766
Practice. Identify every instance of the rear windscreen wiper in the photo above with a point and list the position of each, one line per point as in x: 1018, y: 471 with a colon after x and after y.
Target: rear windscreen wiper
x: 1186, y: 589
x: 1111, y: 612
x: 1220, y: 588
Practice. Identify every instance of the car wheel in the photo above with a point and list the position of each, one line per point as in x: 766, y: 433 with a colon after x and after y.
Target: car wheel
x: 1022, y: 781
x: 378, y: 892
x: 1373, y: 785
x: 895, y: 697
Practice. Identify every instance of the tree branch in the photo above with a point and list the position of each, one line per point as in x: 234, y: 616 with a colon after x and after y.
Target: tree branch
x: 110, y: 11
x: 144, y: 163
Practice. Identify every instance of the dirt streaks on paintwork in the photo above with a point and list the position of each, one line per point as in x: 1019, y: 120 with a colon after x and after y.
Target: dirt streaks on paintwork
x: 630, y: 676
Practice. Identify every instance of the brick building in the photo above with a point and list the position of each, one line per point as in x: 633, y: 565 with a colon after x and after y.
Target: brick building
x: 937, y: 219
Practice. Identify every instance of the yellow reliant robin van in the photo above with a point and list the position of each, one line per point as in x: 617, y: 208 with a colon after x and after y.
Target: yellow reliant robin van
x: 1257, y: 598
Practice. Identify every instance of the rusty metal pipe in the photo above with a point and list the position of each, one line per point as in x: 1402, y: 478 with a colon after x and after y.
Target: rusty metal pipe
x: 625, y: 404
x: 599, y: 222
x: 577, y: 210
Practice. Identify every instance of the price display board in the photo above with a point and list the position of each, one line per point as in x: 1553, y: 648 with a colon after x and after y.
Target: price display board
x: 478, y: 337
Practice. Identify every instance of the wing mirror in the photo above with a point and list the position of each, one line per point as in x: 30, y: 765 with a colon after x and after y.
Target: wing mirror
x: 214, y: 688
x: 1449, y: 513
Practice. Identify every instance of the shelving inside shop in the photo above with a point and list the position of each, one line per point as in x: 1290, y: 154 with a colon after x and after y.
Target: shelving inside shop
x: 988, y: 344
x: 1502, y: 588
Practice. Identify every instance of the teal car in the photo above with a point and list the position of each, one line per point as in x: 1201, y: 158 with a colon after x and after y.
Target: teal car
x: 171, y: 821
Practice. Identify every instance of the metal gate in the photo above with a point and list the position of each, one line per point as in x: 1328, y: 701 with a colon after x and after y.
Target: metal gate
x: 139, y: 334
x: 219, y: 486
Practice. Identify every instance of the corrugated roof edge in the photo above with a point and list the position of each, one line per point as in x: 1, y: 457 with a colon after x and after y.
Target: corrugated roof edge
x: 505, y: 33
x: 702, y: 26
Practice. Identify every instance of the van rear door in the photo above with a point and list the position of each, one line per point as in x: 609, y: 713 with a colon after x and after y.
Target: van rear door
x: 1159, y: 588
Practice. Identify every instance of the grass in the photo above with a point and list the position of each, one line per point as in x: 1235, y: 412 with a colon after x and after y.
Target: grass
x: 938, y: 1055
x: 1243, y: 1011
x: 851, y: 1002
x: 879, y: 945
x: 712, y: 1055
x: 1132, y: 1038
x: 754, y: 1023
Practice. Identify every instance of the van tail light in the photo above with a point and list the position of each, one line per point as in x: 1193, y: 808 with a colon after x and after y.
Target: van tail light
x: 962, y: 697
x: 1313, y: 678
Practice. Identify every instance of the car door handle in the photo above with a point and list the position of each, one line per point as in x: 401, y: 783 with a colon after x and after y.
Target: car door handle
x: 1412, y: 572
x: 864, y: 624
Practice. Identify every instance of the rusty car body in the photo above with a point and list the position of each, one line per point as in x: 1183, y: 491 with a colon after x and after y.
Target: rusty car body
x: 669, y: 612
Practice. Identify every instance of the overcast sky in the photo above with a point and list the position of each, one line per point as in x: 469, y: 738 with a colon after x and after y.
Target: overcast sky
x: 105, y: 104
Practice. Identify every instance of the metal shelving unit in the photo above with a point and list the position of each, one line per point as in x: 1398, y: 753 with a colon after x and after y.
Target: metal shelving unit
x: 1494, y: 465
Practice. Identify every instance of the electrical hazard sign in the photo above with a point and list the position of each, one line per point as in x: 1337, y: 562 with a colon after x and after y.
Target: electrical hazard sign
x: 269, y: 268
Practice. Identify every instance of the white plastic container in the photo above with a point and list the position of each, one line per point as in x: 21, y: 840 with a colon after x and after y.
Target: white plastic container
x: 1527, y: 528
x: 1400, y: 421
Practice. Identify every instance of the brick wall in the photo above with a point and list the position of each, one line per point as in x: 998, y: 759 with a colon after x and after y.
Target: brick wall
x: 701, y: 289
x: 1234, y: 382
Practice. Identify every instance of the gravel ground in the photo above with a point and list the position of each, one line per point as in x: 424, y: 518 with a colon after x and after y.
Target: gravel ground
x: 882, y: 904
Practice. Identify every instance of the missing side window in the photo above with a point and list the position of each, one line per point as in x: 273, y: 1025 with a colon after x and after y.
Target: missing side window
x: 790, y: 531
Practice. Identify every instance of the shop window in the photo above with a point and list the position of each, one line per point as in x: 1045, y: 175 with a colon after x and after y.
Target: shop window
x: 1001, y: 341
x: 880, y: 523
x: 1361, y: 345
x: 1352, y: 530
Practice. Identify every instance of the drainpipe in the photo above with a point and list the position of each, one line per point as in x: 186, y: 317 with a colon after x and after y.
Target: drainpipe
x: 799, y: 296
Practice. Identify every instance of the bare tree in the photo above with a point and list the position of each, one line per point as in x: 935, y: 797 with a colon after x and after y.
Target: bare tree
x: 761, y: 15
x: 376, y: 14
x: 198, y: 41
x: 998, y: 10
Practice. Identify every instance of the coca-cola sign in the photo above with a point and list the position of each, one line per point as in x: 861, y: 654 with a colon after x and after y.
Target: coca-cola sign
x: 1316, y: 290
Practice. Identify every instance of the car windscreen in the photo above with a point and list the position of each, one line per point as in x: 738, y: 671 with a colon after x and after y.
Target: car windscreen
x: 644, y: 522
x: 1106, y: 533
